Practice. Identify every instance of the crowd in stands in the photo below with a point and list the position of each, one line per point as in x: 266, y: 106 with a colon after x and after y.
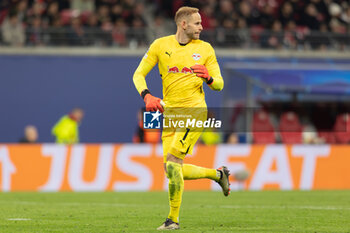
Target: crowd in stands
x: 130, y: 23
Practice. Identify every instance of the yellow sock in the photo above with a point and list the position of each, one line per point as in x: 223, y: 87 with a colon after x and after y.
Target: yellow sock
x: 192, y: 172
x: 176, y: 187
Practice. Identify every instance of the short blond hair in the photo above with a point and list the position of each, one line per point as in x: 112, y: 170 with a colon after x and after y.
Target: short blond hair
x: 184, y: 12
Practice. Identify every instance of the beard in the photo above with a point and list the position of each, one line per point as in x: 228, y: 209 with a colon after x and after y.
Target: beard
x: 193, y: 36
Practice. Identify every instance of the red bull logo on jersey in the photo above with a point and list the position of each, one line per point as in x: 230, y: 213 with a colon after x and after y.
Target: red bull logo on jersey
x: 173, y: 69
x: 184, y: 70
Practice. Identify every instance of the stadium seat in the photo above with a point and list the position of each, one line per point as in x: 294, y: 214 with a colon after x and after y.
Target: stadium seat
x: 256, y: 31
x: 85, y: 16
x: 290, y: 128
x: 342, y: 128
x: 3, y: 14
x: 66, y: 16
x: 263, y: 130
x: 327, y: 137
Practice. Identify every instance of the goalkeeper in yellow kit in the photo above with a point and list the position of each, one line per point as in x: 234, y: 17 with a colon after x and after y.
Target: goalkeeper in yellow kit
x: 184, y: 62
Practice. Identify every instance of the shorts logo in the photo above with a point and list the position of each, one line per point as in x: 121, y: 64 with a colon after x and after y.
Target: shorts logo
x: 196, y: 56
x: 151, y: 120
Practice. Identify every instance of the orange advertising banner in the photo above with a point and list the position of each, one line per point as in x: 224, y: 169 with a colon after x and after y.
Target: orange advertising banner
x: 139, y: 167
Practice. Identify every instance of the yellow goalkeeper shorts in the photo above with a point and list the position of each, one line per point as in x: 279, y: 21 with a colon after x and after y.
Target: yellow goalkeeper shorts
x: 180, y: 141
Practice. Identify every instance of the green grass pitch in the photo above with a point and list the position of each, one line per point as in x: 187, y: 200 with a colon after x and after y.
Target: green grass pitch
x: 243, y: 211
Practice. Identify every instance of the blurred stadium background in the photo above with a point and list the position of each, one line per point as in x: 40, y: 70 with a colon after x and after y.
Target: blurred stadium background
x: 286, y: 66
x: 286, y: 101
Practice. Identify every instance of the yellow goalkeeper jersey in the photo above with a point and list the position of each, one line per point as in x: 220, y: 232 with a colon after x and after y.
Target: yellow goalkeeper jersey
x: 181, y: 87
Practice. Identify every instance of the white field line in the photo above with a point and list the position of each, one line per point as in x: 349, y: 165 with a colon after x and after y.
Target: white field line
x: 285, y: 207
x: 307, y: 207
x: 18, y: 219
x: 78, y: 203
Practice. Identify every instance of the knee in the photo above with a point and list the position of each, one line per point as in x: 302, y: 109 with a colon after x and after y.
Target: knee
x: 170, y: 169
x: 173, y: 158
x: 173, y: 170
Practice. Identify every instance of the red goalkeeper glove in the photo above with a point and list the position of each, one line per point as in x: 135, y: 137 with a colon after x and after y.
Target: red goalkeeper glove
x: 202, y: 72
x: 153, y: 103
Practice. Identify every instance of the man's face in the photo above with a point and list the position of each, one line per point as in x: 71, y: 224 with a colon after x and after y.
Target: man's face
x: 78, y: 115
x: 193, y: 26
x: 31, y: 134
x: 14, y: 20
